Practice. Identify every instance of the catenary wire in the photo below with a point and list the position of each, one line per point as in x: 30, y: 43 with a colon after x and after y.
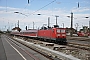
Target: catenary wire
x: 41, y: 8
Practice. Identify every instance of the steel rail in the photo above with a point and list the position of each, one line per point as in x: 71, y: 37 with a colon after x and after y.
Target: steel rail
x: 78, y: 45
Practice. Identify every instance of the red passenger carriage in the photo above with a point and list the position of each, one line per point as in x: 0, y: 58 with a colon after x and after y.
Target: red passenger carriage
x: 29, y: 33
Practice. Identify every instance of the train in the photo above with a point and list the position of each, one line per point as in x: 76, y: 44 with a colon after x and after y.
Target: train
x: 57, y: 35
x: 82, y: 34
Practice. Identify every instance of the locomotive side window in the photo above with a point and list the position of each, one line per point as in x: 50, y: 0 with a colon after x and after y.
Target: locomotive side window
x: 62, y: 31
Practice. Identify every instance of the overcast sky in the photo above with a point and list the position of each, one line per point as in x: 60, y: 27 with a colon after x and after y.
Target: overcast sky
x: 47, y: 8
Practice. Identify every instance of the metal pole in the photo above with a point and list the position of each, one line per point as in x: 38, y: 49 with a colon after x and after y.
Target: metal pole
x: 89, y: 26
x: 77, y: 26
x: 33, y: 25
x: 18, y: 23
x: 56, y: 19
x: 71, y: 24
x: 48, y: 22
x: 63, y: 25
x: 8, y: 26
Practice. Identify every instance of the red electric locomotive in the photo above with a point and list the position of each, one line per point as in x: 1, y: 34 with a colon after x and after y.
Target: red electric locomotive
x: 58, y: 35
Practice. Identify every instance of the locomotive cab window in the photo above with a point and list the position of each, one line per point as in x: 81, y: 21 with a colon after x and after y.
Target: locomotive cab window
x: 58, y: 30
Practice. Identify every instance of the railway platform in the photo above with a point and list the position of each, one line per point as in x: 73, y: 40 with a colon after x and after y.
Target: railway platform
x: 2, y: 51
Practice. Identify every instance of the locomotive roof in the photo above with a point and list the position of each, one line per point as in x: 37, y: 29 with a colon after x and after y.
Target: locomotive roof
x: 58, y: 28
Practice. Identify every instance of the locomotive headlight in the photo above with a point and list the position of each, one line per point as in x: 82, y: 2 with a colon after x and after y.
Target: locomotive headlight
x: 58, y: 34
x: 63, y: 35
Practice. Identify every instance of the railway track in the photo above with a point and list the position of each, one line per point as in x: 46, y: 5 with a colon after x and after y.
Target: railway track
x: 75, y: 48
x: 77, y: 45
x: 74, y: 44
x: 51, y: 53
x: 80, y: 46
x: 35, y: 49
